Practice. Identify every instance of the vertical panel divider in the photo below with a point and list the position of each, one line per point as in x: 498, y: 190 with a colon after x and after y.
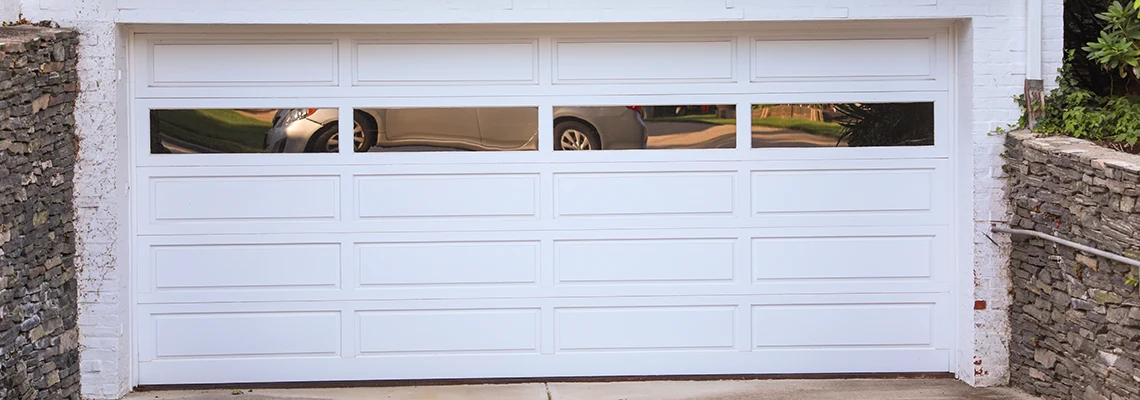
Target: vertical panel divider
x: 345, y: 130
x: 348, y: 348
x: 547, y: 332
x: 545, y: 61
x: 743, y: 129
x: 743, y: 327
x: 346, y: 62
x: 742, y: 262
x: 546, y: 128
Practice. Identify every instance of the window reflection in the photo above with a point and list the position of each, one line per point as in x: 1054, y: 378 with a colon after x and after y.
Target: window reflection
x: 448, y: 129
x: 843, y: 125
x: 645, y: 127
x: 217, y: 131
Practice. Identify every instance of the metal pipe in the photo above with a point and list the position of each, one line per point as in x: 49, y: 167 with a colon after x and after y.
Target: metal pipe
x: 1033, y: 24
x: 1075, y: 245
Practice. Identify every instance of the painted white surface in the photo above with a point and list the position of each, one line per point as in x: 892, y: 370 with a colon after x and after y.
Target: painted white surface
x: 644, y: 61
x: 244, y: 265
x: 449, y: 331
x: 563, y: 256
x: 244, y: 197
x: 661, y: 194
x: 815, y: 59
x: 221, y: 63
x: 663, y: 261
x: 447, y: 263
x: 836, y: 191
x: 424, y: 63
x: 989, y: 47
x: 441, y: 196
x: 844, y: 257
x: 645, y: 328
x: 844, y: 325
x: 10, y: 10
x: 272, y: 334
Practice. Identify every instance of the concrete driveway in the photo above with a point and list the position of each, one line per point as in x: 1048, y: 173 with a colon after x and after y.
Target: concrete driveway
x: 850, y: 389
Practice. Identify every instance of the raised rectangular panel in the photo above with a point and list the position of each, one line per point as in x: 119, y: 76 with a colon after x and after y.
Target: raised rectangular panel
x: 448, y: 263
x: 636, y: 328
x: 445, y: 63
x: 246, y: 265
x: 842, y: 257
x: 818, y: 191
x: 644, y: 61
x: 638, y: 4
x: 427, y: 196
x: 448, y: 331
x: 842, y: 325
x: 247, y: 334
x: 245, y: 198
x: 293, y: 5
x: 843, y: 59
x: 221, y: 63
x: 644, y: 260
x: 663, y: 193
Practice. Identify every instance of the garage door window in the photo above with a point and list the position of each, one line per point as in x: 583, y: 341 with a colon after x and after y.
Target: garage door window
x: 843, y: 125
x: 448, y: 129
x: 212, y: 130
x: 686, y: 126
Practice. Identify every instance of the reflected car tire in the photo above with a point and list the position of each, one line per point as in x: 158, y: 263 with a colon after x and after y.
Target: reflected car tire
x: 574, y: 135
x: 325, y: 139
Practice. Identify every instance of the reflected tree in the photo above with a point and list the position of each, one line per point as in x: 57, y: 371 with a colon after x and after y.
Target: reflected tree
x: 887, y: 124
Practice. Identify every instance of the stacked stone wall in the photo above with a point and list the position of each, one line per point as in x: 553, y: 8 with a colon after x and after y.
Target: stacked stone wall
x: 1075, y: 316
x: 39, y: 356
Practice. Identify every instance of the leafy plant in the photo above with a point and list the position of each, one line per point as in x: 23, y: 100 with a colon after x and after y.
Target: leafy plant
x: 1078, y: 112
x: 1118, y: 47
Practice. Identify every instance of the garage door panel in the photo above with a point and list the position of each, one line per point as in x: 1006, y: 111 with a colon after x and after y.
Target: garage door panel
x: 642, y: 328
x: 843, y: 191
x: 411, y: 263
x: 448, y: 263
x: 658, y: 194
x: 617, y: 364
x: 242, y: 198
x: 421, y: 62
x: 220, y: 63
x: 245, y: 334
x: 628, y: 261
x: 856, y: 257
x: 448, y: 331
x: 447, y: 196
x: 644, y: 61
x: 843, y: 325
x: 243, y: 266
x: 911, y: 58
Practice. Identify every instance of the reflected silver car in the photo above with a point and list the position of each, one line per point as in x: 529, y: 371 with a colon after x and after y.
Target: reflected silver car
x: 483, y: 128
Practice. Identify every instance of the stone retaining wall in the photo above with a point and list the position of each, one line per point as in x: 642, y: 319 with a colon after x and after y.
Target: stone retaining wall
x: 39, y: 356
x: 1075, y: 317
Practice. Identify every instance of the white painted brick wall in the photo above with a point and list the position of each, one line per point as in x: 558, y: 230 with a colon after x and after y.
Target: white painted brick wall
x: 996, y: 45
x: 9, y: 10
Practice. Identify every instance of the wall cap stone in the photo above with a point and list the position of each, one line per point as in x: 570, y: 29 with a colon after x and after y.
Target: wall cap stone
x: 13, y: 36
x: 1080, y: 150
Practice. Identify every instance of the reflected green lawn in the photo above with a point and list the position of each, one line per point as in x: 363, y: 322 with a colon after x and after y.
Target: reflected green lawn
x: 223, y: 131
x: 829, y: 129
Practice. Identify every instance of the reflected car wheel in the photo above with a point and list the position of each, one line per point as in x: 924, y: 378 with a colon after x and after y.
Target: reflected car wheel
x: 327, y: 140
x: 574, y: 135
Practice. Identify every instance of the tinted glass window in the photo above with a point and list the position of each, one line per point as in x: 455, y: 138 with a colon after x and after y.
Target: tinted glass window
x: 446, y: 129
x: 843, y: 125
x: 645, y: 127
x: 231, y: 130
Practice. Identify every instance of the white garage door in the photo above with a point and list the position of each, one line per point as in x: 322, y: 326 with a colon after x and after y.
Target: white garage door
x: 752, y: 201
